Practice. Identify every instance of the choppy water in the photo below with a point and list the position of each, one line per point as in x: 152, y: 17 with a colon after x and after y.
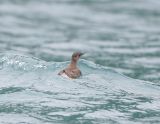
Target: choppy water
x: 122, y: 35
x: 31, y: 92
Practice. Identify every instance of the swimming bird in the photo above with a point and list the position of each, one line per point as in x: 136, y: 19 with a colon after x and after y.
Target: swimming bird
x: 72, y: 71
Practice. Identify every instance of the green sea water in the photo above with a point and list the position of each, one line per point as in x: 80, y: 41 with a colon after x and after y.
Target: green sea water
x: 121, y: 67
x: 122, y: 34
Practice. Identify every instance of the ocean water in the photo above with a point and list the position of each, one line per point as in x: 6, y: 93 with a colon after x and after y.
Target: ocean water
x: 121, y: 68
x: 31, y: 92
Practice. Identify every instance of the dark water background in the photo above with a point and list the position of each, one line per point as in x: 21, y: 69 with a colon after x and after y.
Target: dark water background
x: 121, y: 35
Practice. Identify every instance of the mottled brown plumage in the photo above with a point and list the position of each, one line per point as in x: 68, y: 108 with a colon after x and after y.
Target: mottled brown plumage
x: 72, y: 71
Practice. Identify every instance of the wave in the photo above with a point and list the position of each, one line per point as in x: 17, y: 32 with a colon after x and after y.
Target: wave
x: 101, y: 94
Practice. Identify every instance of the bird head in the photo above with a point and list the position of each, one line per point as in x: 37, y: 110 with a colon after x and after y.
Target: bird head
x: 76, y: 56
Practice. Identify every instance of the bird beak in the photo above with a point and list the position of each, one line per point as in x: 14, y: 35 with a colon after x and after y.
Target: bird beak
x: 81, y: 54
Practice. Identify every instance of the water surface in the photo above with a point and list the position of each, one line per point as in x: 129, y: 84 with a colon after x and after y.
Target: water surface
x: 31, y: 92
x: 37, y: 38
x: 123, y: 34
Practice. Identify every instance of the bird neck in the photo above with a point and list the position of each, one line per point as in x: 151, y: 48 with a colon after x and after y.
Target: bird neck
x: 73, y: 64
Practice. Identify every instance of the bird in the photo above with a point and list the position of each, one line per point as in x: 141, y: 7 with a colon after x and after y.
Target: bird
x: 72, y: 71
